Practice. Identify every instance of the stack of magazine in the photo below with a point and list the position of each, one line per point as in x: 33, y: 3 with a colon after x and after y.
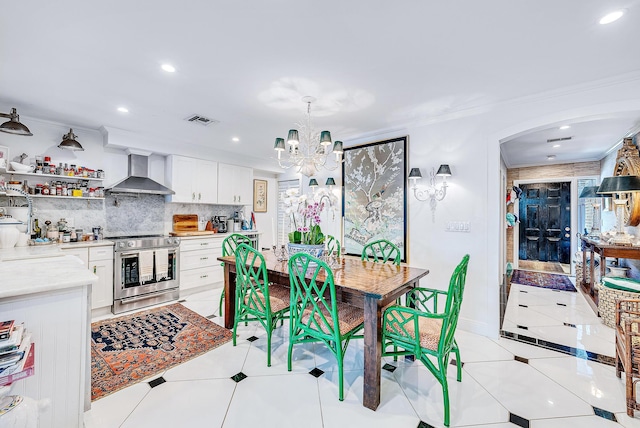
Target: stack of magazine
x: 16, y: 352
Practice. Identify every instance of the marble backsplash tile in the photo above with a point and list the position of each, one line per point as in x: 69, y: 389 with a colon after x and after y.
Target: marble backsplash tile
x: 123, y: 215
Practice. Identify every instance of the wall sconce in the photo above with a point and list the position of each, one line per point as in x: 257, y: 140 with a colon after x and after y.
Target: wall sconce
x: 13, y: 125
x: 435, y: 191
x: 69, y: 142
x: 313, y: 183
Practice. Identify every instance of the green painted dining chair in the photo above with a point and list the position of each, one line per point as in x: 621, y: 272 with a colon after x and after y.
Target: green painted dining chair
x: 381, y: 250
x: 229, y: 246
x: 256, y: 298
x: 316, y: 315
x: 333, y: 245
x: 423, y: 330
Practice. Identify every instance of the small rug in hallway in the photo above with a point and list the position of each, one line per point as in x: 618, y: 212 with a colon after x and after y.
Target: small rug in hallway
x: 543, y: 280
x: 128, y: 349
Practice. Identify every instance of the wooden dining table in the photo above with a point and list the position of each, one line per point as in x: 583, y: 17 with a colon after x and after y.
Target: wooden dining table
x: 368, y: 285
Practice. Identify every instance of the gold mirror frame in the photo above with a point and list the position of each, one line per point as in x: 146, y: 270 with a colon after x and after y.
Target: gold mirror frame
x: 628, y: 163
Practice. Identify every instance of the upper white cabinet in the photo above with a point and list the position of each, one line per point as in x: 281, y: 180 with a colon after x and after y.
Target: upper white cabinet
x: 235, y: 185
x: 193, y: 180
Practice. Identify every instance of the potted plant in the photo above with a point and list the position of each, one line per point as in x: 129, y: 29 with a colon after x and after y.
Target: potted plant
x: 307, y: 234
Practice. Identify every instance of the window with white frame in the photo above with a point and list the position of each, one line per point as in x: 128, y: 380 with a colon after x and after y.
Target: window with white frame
x: 283, y: 220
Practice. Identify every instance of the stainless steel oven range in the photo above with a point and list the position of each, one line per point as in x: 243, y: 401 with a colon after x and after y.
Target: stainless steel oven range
x: 145, y: 271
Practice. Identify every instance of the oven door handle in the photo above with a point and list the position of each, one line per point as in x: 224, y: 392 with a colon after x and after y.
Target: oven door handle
x: 146, y: 296
x: 123, y: 255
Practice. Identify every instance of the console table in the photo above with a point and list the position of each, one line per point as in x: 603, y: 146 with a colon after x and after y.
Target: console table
x: 604, y: 250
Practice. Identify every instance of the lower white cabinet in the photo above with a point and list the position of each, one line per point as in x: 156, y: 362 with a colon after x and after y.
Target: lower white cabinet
x: 101, y: 263
x: 199, y: 266
x: 98, y: 260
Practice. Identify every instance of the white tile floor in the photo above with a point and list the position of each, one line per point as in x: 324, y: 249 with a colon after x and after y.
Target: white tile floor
x: 552, y: 390
x: 544, y: 312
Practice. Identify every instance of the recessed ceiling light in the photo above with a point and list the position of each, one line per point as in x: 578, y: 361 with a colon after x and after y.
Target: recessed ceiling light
x: 551, y: 157
x: 168, y: 68
x: 611, y: 17
x: 563, y: 127
x: 235, y: 139
x: 555, y: 146
x: 123, y: 110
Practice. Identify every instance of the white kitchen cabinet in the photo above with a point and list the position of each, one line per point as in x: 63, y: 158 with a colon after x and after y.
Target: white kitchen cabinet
x: 98, y: 260
x: 193, y: 180
x: 199, y: 266
x: 101, y: 263
x: 235, y: 185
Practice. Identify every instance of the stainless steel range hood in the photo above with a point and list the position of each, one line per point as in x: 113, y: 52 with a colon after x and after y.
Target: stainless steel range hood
x: 138, y: 180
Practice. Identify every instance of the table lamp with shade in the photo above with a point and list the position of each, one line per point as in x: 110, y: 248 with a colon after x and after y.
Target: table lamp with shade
x: 591, y: 192
x: 620, y: 186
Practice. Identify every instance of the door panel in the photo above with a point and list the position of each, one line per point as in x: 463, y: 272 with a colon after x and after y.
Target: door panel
x: 545, y: 213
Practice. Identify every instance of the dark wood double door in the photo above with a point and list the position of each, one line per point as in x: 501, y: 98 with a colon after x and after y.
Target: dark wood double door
x: 545, y: 222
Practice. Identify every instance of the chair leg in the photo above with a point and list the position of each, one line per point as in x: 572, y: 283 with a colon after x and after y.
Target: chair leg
x: 631, y: 397
x: 235, y: 326
x: 269, y: 331
x: 458, y: 363
x: 445, y: 394
x: 221, y: 303
x: 340, y: 358
x: 618, y: 366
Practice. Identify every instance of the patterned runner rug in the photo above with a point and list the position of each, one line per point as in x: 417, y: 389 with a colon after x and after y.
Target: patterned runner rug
x: 128, y: 349
x: 543, y: 280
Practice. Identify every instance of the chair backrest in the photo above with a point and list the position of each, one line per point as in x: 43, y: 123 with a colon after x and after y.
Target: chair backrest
x: 312, y: 294
x: 251, y: 279
x: 452, y: 305
x: 381, y: 250
x: 333, y: 245
x: 231, y: 242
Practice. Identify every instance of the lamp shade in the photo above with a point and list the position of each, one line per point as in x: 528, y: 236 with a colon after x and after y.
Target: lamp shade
x: 313, y: 182
x: 330, y: 182
x: 325, y: 138
x: 589, y: 192
x: 13, y: 125
x: 415, y: 173
x: 444, y: 171
x: 337, y: 147
x: 619, y: 184
x: 69, y: 142
x: 293, y: 138
x: 279, y: 144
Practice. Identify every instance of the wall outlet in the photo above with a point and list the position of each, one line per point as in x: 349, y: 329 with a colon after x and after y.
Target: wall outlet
x: 457, y: 226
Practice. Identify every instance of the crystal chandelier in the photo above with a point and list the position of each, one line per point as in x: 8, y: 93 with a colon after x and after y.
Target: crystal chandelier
x: 307, y: 149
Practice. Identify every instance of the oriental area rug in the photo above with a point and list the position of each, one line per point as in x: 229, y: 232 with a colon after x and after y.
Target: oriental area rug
x: 131, y: 348
x: 543, y: 280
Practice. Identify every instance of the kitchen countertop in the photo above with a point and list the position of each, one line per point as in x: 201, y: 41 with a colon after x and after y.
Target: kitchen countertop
x: 221, y: 235
x: 80, y: 244
x: 50, y: 250
x: 29, y: 276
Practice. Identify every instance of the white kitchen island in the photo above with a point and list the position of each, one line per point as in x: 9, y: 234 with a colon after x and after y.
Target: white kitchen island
x: 50, y: 293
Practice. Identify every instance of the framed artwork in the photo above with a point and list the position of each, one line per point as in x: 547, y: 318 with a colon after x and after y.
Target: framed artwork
x: 259, y: 196
x: 374, y: 194
x: 4, y: 157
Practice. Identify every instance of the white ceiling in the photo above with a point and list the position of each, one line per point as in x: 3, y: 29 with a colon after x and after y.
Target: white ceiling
x: 373, y: 65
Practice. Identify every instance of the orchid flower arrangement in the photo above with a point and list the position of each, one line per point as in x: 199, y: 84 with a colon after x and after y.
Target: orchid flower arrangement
x: 305, y: 218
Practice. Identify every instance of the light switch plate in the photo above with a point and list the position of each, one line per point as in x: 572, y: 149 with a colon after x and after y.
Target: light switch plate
x: 457, y: 226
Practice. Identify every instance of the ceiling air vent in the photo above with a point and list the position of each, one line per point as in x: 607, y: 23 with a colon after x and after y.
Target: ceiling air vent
x: 202, y: 120
x: 555, y: 140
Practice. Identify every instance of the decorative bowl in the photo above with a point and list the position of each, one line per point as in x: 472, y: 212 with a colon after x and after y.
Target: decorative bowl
x: 19, y: 167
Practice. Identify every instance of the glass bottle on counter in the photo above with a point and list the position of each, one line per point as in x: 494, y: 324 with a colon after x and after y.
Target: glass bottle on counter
x: 37, y: 232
